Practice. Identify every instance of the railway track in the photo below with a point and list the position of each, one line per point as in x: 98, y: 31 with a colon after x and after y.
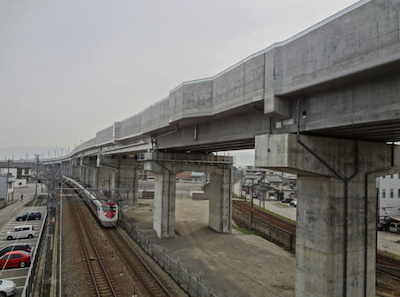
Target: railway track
x: 385, y: 265
x: 266, y: 218
x: 123, y: 259
x: 388, y: 266
x: 152, y: 284
x: 100, y: 284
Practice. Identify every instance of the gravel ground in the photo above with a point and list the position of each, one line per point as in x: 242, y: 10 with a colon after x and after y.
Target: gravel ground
x: 74, y: 278
x: 231, y: 265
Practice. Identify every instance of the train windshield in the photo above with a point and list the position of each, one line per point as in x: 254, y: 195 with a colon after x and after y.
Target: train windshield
x: 107, y: 207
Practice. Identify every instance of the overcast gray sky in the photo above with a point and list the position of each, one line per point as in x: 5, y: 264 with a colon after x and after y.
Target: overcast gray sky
x: 71, y: 68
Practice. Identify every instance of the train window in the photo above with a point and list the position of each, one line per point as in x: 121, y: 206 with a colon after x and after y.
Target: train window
x: 107, y: 207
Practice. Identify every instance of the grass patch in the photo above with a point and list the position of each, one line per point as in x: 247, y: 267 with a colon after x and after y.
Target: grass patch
x: 36, y: 202
x: 244, y: 230
x: 387, y: 254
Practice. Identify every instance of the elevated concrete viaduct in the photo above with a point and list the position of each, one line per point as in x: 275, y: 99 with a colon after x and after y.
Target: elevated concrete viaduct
x: 322, y: 104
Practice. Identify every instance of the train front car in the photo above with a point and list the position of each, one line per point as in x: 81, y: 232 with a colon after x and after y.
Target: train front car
x: 108, y: 214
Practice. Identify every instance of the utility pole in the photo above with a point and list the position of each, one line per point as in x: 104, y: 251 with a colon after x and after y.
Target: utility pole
x: 252, y: 206
x: 8, y: 174
x: 37, y: 173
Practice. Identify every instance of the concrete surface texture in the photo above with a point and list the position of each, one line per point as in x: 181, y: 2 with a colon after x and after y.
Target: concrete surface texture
x: 231, y: 265
x: 336, y: 213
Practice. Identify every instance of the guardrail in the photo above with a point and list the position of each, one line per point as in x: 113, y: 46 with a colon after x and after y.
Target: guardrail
x: 33, y: 269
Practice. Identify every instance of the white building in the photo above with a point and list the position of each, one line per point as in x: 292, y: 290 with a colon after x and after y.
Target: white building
x: 6, y: 188
x: 9, y: 171
x: 389, y: 195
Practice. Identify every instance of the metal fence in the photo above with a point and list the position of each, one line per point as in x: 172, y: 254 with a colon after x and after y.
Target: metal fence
x: 182, y: 277
x: 33, y: 269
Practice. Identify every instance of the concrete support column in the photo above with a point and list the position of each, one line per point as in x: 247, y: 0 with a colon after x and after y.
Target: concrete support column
x: 220, y: 211
x: 127, y: 184
x: 106, y: 179
x: 93, y: 171
x: 81, y: 170
x: 336, y: 211
x: 166, y: 166
x: 85, y: 177
x: 164, y: 203
x: 75, y: 169
x: 67, y: 168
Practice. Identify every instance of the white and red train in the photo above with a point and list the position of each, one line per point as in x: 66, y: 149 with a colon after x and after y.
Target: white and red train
x: 105, y: 211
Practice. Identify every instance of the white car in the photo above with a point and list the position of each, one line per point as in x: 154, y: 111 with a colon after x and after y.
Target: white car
x: 7, y: 288
x: 25, y: 231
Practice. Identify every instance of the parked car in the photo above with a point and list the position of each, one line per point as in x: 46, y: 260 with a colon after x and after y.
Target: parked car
x: 26, y: 231
x: 15, y: 259
x: 293, y: 202
x: 287, y: 200
x: 33, y: 215
x: 384, y: 223
x: 7, y: 288
x: 15, y: 247
x: 394, y: 227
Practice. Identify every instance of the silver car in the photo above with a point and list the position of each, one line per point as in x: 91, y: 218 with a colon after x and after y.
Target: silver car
x: 7, y: 288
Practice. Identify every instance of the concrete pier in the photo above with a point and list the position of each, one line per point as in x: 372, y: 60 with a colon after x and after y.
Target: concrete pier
x: 166, y: 166
x: 336, y: 214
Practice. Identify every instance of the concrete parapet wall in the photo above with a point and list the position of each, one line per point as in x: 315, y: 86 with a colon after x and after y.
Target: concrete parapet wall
x: 155, y: 117
x: 240, y: 85
x: 355, y: 38
x: 105, y: 136
x: 87, y: 144
x: 129, y: 127
x: 191, y: 99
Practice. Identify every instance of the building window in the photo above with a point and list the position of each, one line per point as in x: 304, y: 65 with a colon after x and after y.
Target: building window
x: 391, y: 176
x: 391, y: 193
x: 398, y: 193
x: 383, y: 193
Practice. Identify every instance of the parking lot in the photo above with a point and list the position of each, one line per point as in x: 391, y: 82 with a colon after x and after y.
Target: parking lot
x: 8, y: 221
